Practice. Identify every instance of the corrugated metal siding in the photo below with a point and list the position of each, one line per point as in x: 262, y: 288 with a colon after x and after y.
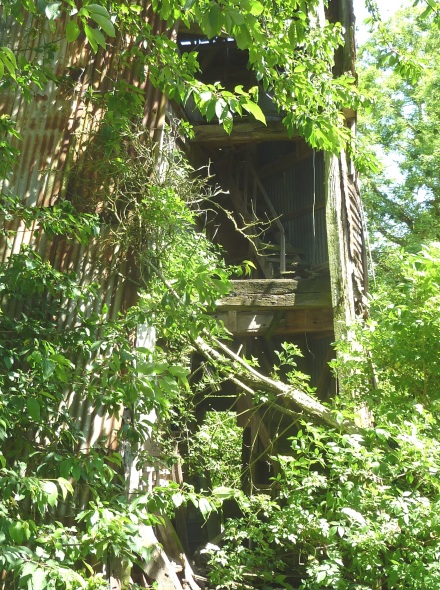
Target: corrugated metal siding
x: 300, y: 188
x: 56, y: 126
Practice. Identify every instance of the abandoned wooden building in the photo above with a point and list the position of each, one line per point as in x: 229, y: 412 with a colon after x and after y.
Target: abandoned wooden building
x: 298, y: 212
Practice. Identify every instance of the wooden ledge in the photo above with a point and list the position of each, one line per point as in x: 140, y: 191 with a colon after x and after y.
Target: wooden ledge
x: 277, y: 294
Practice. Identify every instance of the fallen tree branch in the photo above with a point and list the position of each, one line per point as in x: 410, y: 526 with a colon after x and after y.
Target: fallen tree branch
x: 291, y: 401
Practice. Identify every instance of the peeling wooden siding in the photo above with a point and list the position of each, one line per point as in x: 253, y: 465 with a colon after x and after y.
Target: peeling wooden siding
x: 346, y: 244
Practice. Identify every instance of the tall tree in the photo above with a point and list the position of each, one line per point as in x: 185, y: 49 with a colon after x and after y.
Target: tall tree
x: 402, y: 196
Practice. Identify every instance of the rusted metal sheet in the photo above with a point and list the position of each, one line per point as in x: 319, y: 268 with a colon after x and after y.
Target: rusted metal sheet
x: 56, y: 126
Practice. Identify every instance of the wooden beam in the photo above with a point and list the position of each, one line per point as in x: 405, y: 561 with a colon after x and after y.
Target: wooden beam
x: 289, y: 400
x: 247, y: 132
x: 260, y: 323
x: 269, y: 294
x: 250, y: 131
x: 248, y: 415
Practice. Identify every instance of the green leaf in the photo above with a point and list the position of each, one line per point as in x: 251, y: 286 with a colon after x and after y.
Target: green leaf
x: 292, y: 33
x: 65, y: 487
x: 72, y: 31
x: 213, y: 24
x: 178, y: 499
x: 205, y: 507
x: 224, y: 493
x: 90, y: 34
x: 355, y: 515
x: 105, y: 24
x: 8, y: 360
x: 256, y: 8
x: 236, y: 16
x: 243, y: 37
x: 48, y: 367
x: 33, y: 408
x: 28, y: 569
x: 51, y: 491
x: 100, y: 40
x: 38, y: 580
x: 76, y: 471
x: 52, y: 10
x: 178, y: 371
x: 255, y: 110
x: 98, y: 9
x: 10, y: 64
x: 210, y: 111
x: 228, y: 123
x: 9, y: 54
x: 16, y: 532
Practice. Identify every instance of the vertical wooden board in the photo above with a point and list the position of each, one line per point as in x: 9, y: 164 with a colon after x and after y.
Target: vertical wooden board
x: 338, y: 241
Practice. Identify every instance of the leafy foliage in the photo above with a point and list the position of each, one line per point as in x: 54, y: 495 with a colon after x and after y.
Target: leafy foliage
x: 345, y: 511
x: 215, y: 449
x: 291, y: 51
x: 48, y: 465
x: 401, y: 198
x: 360, y: 510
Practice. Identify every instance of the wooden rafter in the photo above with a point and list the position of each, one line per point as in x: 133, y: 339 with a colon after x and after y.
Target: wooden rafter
x: 251, y: 131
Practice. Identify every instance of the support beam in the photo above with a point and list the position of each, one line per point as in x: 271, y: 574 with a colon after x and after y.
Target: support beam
x: 251, y: 131
x: 286, y: 294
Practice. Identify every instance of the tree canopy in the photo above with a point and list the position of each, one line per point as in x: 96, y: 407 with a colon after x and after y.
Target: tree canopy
x: 402, y: 122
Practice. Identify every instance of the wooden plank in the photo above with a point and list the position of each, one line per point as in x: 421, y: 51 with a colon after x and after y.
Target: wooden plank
x: 297, y: 321
x: 250, y: 131
x: 340, y: 261
x: 265, y: 294
x: 246, y: 323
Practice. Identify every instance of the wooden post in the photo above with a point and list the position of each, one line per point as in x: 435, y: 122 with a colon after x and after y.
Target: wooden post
x: 339, y: 258
x: 345, y: 261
